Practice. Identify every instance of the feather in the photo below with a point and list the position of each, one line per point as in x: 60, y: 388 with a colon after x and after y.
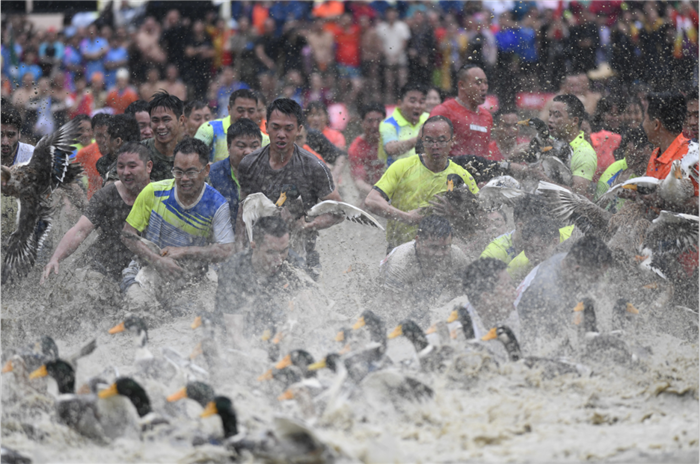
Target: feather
x: 25, y: 242
x: 644, y: 182
x: 672, y: 230
x: 351, y: 213
x: 575, y: 209
x: 255, y: 206
x: 500, y: 190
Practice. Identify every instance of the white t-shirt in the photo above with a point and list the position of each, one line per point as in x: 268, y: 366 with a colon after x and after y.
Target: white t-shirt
x: 393, y: 38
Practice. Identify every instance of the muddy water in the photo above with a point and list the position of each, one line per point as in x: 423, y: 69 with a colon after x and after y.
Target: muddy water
x: 509, y: 413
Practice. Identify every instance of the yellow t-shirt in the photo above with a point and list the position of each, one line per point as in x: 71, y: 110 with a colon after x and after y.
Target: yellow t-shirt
x: 584, y: 161
x: 502, y: 249
x: 397, y: 128
x: 408, y: 185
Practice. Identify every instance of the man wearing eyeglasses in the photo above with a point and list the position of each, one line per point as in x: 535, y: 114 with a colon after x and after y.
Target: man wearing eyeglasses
x: 410, y: 183
x: 190, y: 224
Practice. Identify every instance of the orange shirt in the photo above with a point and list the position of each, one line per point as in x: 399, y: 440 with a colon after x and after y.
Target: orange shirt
x: 88, y: 157
x: 660, y: 166
x: 336, y: 137
x: 119, y: 101
x: 308, y: 148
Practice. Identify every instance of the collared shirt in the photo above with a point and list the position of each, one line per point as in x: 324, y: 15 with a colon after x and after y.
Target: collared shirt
x: 213, y: 133
x: 397, y: 128
x: 408, y: 185
x: 660, y: 166
x: 584, y: 161
x: 610, y: 176
x: 222, y: 178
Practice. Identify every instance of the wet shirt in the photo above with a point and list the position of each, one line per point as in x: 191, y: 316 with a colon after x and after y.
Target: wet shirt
x: 584, y: 161
x: 610, y: 178
x: 262, y: 299
x: 167, y: 222
x: 364, y: 164
x: 107, y: 211
x: 408, y: 184
x: 310, y: 175
x: 162, y: 165
x: 472, y: 129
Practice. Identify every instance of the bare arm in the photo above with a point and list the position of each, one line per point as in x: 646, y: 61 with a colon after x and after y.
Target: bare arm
x: 213, y: 253
x: 362, y: 186
x: 69, y: 243
x: 338, y: 168
x: 378, y: 205
x: 262, y: 56
x: 325, y: 220
x: 165, y: 265
x: 399, y: 147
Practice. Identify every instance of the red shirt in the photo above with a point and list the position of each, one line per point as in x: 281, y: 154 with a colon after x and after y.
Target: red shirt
x: 660, y: 166
x: 88, y: 157
x: 119, y: 101
x: 495, y: 152
x: 604, y: 143
x: 347, y: 45
x: 472, y: 130
x: 364, y: 164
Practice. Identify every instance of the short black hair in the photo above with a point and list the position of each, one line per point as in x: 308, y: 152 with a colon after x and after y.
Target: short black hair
x: 634, y: 135
x: 11, y: 116
x: 481, y: 276
x: 124, y: 126
x: 81, y: 117
x: 462, y: 73
x: 135, y: 147
x: 366, y: 109
x: 194, y: 105
x: 438, y: 118
x: 669, y: 108
x: 527, y: 206
x: 139, y: 106
x: 100, y: 119
x: 240, y: 128
x: 410, y: 87
x: 286, y: 106
x: 163, y: 99
x: 269, y: 225
x: 315, y: 105
x: 190, y: 145
x: 260, y: 97
x: 691, y: 96
x: 591, y: 252
x: 605, y: 105
x: 574, y: 107
x: 434, y: 227
x: 242, y: 93
x: 540, y: 226
x: 503, y: 111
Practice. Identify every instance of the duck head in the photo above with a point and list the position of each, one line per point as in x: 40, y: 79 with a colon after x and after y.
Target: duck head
x: 126, y: 386
x: 135, y: 325
x: 506, y: 336
x: 375, y: 325
x: 584, y: 315
x: 413, y: 332
x: 59, y: 370
x: 461, y: 314
x: 223, y: 407
x: 201, y: 392
x: 331, y: 361
x: 624, y: 314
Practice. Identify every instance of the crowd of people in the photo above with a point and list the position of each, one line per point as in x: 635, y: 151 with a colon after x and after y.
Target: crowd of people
x: 169, y: 164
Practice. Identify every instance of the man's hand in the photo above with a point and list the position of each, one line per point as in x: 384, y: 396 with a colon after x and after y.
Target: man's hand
x: 51, y: 266
x: 413, y: 217
x: 175, y: 252
x: 168, y: 268
x: 442, y: 207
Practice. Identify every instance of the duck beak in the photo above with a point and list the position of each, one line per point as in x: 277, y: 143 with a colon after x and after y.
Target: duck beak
x: 453, y: 334
x: 108, y: 392
x: 450, y: 185
x: 210, y: 410
x: 278, y: 338
x: 490, y: 336
x: 7, y: 367
x: 639, y: 258
x: 340, y: 337
x: 281, y: 199
x: 178, y: 395
x: 397, y: 332
x: 524, y: 122
x: 287, y: 395
x: 453, y: 316
x: 630, y: 187
x: 359, y: 324
x: 266, y: 336
x: 546, y: 149
x: 286, y: 362
x: 579, y: 307
x: 677, y: 173
x: 346, y: 349
x: 431, y: 330
x: 117, y: 329
x: 197, y: 322
x: 266, y: 376
x: 41, y: 372
x: 631, y: 309
x: 197, y: 351
x: 651, y: 286
x: 317, y: 366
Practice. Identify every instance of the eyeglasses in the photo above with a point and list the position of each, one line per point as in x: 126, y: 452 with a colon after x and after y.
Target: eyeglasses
x: 190, y: 173
x: 441, y: 141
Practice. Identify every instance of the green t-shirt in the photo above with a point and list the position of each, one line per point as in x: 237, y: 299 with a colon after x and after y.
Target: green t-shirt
x: 408, y: 185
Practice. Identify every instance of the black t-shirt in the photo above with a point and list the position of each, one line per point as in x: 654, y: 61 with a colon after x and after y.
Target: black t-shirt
x: 107, y: 211
x: 309, y: 174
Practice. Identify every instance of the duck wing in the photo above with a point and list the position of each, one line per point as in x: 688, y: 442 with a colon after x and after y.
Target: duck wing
x: 575, y: 209
x: 51, y: 159
x: 500, y: 190
x: 677, y: 230
x: 638, y: 183
x: 84, y: 350
x: 555, y: 169
x: 33, y: 225
x: 255, y: 206
x: 339, y: 208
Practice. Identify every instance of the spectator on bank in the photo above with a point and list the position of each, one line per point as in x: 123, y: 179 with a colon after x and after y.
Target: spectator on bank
x: 151, y: 85
x: 93, y: 50
x: 122, y: 95
x: 366, y: 169
x: 81, y: 101
x: 116, y: 57
x: 173, y: 84
x: 394, y: 35
x: 200, y: 53
x: 371, y: 58
x: 317, y: 118
x: 228, y: 83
